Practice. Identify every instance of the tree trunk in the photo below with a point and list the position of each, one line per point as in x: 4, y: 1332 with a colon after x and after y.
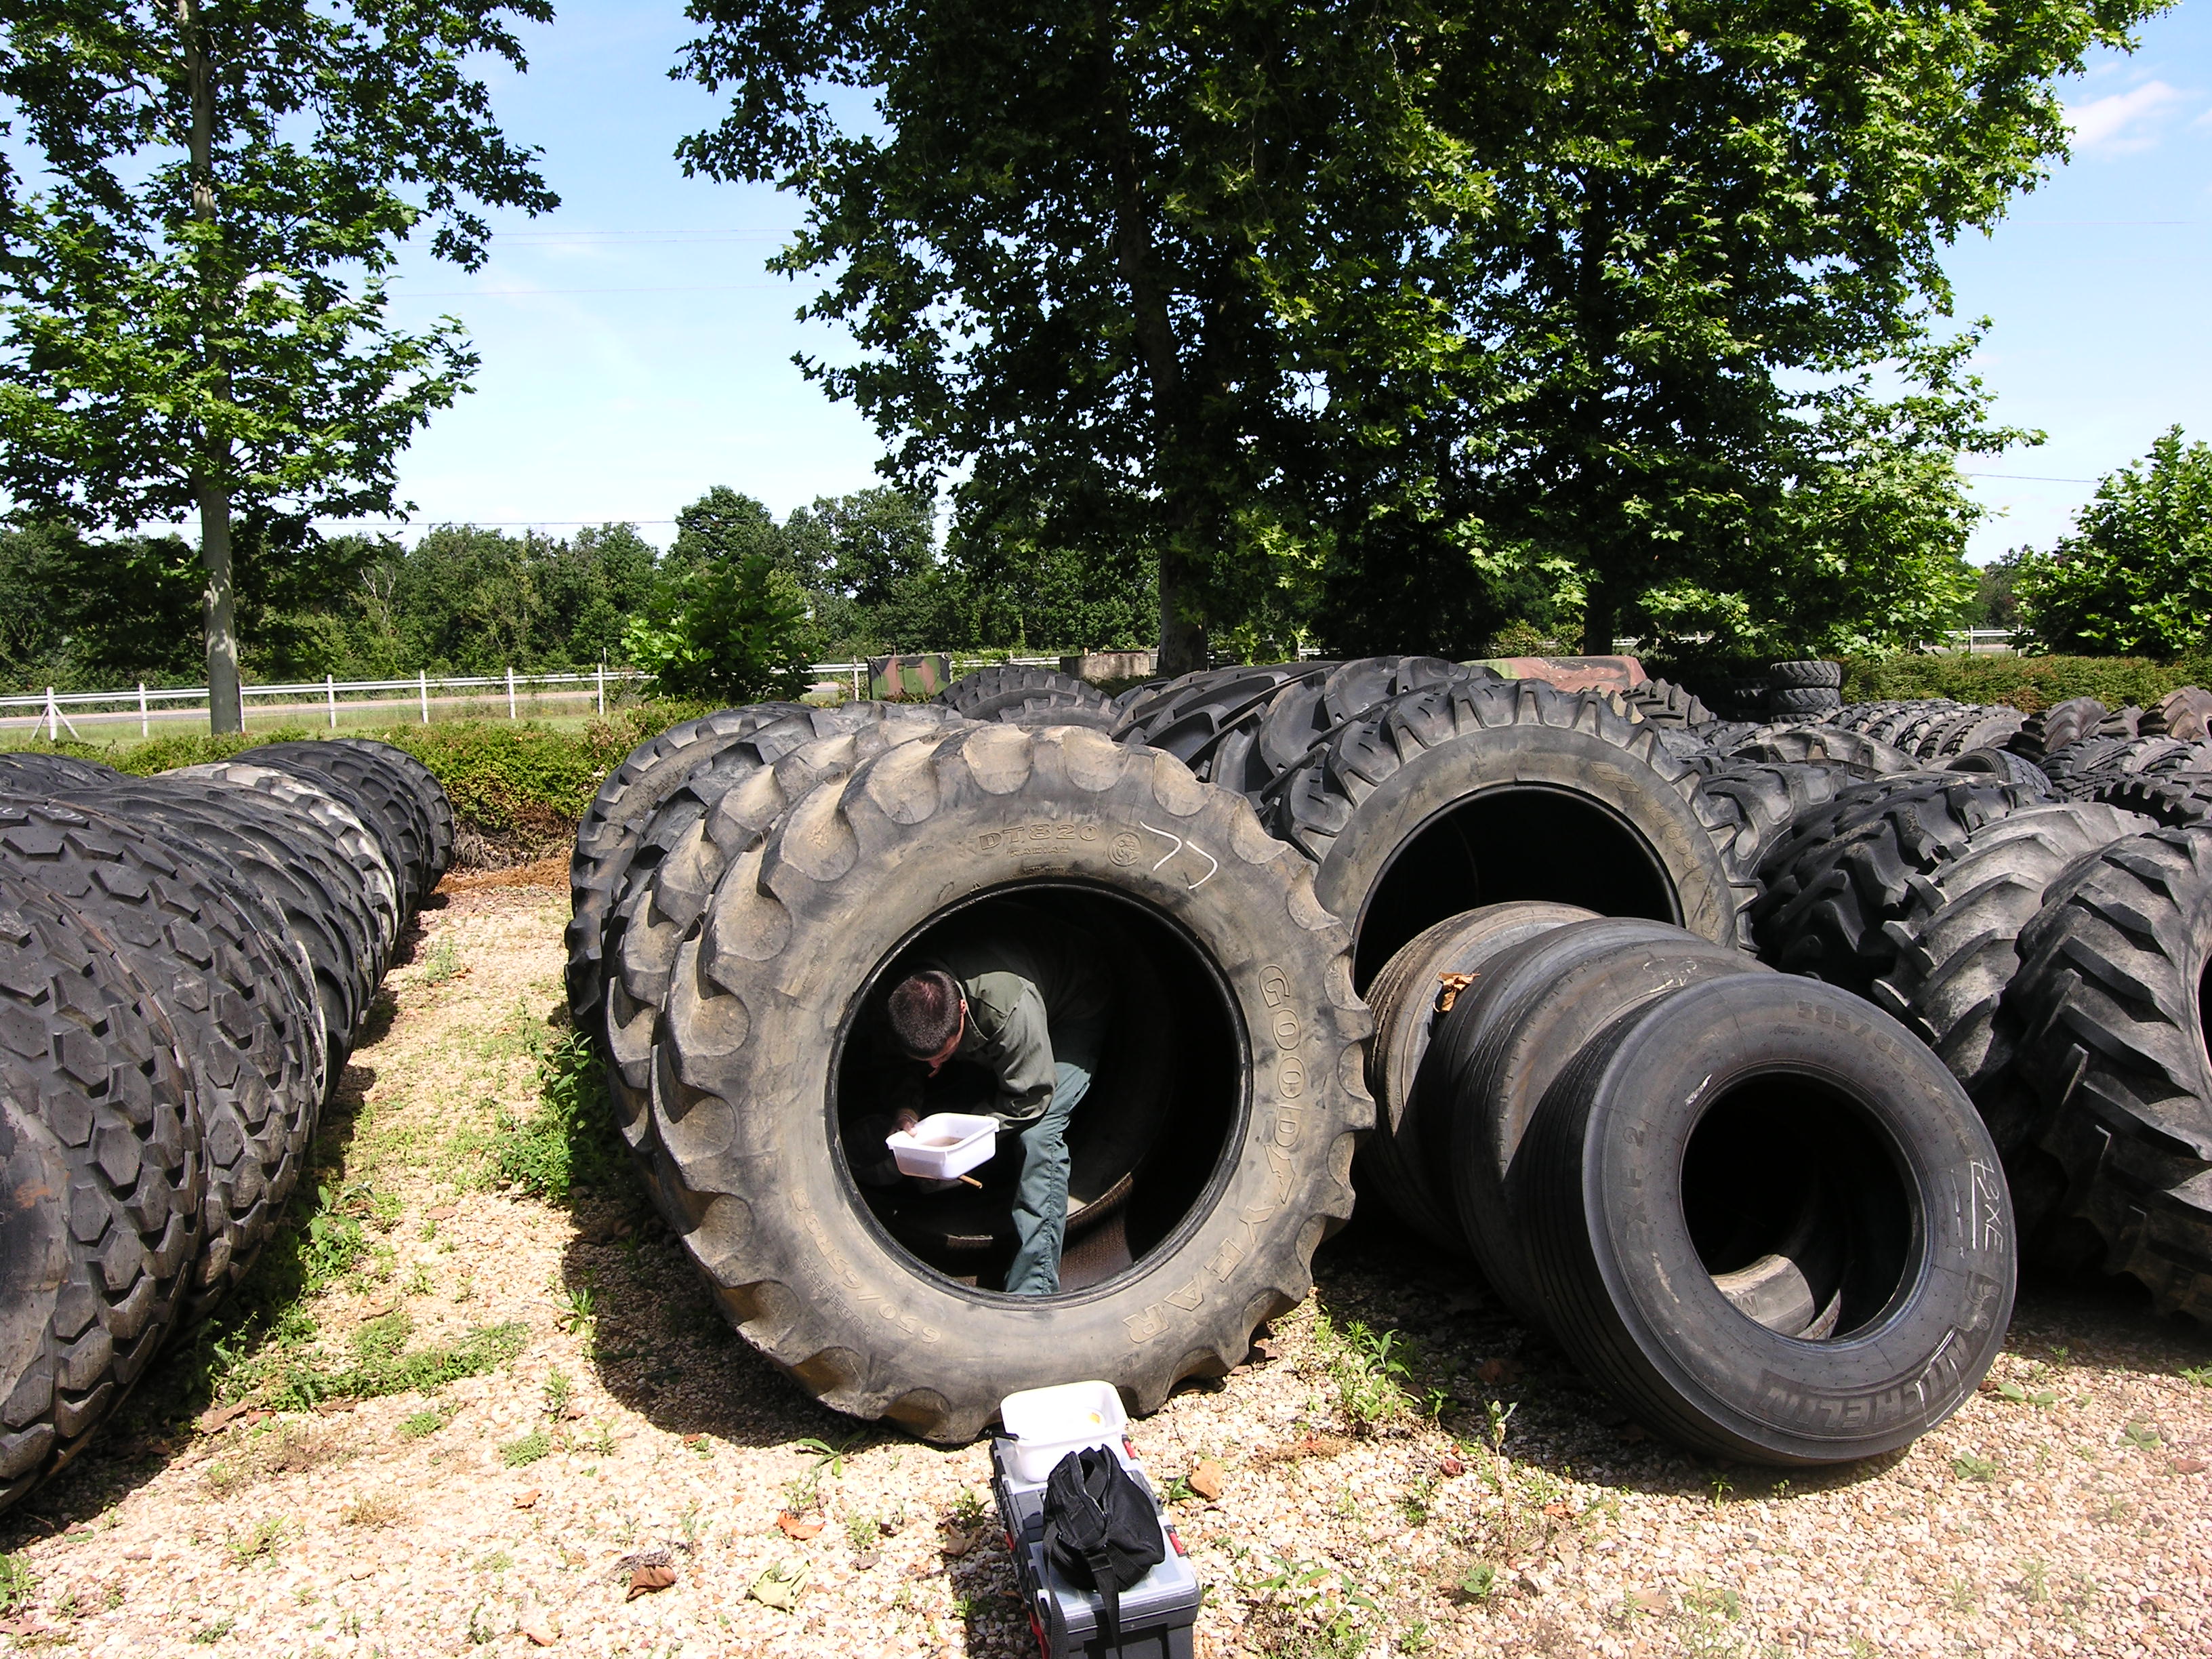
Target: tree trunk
x: 225, y: 712
x: 1182, y: 639
x: 1601, y: 617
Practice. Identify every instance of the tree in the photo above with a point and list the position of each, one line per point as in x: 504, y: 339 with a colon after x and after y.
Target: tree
x: 195, y: 308
x: 1569, y: 305
x: 729, y: 628
x: 2136, y: 576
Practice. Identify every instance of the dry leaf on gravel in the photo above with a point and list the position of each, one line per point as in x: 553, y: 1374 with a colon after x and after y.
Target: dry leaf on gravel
x: 527, y: 1500
x: 779, y: 1585
x: 795, y: 1528
x: 644, y: 1580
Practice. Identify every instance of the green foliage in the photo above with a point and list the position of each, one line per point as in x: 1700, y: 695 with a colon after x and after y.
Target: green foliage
x: 518, y: 1454
x: 2021, y: 681
x: 727, y: 628
x: 569, y: 1137
x: 195, y: 316
x: 2135, y: 577
x: 16, y: 1583
x: 381, y: 1363
x: 1407, y: 322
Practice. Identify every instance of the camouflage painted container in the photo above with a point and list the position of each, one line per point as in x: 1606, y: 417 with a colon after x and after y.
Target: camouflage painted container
x: 908, y: 680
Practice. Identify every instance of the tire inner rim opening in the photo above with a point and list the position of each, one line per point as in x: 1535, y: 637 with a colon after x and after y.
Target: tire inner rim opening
x: 1796, y: 1205
x: 1147, y: 1145
x: 1526, y: 842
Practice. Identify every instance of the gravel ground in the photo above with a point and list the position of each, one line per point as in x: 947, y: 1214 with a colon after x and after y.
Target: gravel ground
x: 1456, y: 1491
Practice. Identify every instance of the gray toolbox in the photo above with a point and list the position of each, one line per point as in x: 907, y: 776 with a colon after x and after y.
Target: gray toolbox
x: 1158, y: 1611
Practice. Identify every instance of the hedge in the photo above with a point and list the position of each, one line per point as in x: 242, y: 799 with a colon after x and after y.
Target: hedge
x: 506, y: 778
x: 2026, y: 683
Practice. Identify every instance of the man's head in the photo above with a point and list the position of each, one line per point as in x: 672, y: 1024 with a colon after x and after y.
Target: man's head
x: 927, y: 1014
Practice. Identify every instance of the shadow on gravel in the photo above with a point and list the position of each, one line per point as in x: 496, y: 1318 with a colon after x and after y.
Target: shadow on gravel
x: 1466, y: 1344
x: 155, y: 1425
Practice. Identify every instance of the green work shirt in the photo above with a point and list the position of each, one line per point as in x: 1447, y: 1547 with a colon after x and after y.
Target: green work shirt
x: 1019, y: 988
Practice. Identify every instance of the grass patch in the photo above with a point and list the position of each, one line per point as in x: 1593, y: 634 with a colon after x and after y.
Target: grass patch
x: 382, y: 1364
x: 16, y: 1583
x: 535, y: 1445
x: 425, y: 1423
x: 568, y: 1138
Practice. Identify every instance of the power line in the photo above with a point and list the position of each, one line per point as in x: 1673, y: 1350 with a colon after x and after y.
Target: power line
x: 2030, y: 478
x: 533, y: 293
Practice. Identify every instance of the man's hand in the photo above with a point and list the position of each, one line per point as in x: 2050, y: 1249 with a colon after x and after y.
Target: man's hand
x: 904, y: 1120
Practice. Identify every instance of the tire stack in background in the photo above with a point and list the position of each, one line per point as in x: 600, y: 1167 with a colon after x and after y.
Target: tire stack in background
x: 189, y: 959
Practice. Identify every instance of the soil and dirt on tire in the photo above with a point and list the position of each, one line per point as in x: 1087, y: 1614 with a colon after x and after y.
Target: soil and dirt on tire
x: 1397, y: 1462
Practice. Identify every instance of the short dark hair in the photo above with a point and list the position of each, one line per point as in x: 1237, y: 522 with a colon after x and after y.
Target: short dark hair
x: 925, y: 1011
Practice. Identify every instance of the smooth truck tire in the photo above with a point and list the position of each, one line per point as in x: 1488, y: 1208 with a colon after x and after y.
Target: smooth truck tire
x: 1504, y: 1045
x: 799, y: 936
x: 105, y: 1182
x: 1732, y: 1117
x: 1406, y: 998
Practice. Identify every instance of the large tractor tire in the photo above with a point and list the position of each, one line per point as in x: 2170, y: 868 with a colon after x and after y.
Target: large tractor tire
x: 758, y: 1087
x: 391, y: 791
x: 2062, y: 725
x: 608, y: 836
x: 1789, y: 744
x: 99, y: 1133
x: 721, y: 813
x: 1005, y: 692
x: 1661, y: 702
x: 2110, y: 1009
x: 1445, y: 800
x: 1305, y: 711
x: 1769, y: 1223
x: 235, y: 1000
x: 2185, y: 713
x: 342, y: 830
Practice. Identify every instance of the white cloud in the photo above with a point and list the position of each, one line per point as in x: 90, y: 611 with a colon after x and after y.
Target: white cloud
x: 2120, y: 124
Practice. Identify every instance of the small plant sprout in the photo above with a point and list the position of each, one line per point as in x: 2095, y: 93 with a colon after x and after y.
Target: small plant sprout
x: 558, y: 1393
x: 580, y: 1305
x: 1967, y: 1466
x: 1499, y: 1415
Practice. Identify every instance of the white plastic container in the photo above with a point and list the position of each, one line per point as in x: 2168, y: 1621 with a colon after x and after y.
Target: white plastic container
x: 1048, y: 1424
x: 943, y: 1145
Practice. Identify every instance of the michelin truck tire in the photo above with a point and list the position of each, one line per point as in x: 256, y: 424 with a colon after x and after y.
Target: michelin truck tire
x: 800, y: 943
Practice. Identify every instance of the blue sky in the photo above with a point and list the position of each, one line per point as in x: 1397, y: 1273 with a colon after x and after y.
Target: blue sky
x: 635, y: 353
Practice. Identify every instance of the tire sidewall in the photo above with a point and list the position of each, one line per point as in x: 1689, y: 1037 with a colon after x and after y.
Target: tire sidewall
x: 760, y: 1006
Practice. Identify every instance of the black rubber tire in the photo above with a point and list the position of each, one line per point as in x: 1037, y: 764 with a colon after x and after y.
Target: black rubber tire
x: 1906, y: 1205
x: 607, y: 837
x: 1861, y: 716
x: 1777, y: 745
x: 1211, y: 720
x: 427, y: 790
x: 38, y: 774
x: 383, y: 793
x: 306, y: 884
x: 1394, y: 1164
x: 1976, y: 728
x: 2077, y: 770
x: 1052, y: 711
x: 2121, y: 723
x: 2169, y: 800
x: 1358, y: 803
x: 343, y: 832
x: 1832, y: 886
x: 1724, y: 735
x: 1795, y: 703
x: 1807, y: 675
x: 721, y: 812
x: 2184, y: 713
x: 1662, y: 703
x: 236, y: 997
x: 846, y: 879
x: 1957, y: 934
x: 1506, y: 1042
x: 104, y: 1184
x: 1903, y: 723
x: 990, y: 693
x: 2047, y: 730
x: 2111, y: 1015
x: 2007, y: 768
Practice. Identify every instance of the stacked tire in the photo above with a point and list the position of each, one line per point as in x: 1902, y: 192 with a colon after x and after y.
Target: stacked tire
x: 189, y: 959
x: 1754, y: 1208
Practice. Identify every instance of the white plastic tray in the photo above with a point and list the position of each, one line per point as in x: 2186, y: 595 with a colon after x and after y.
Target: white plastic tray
x: 1048, y: 1424
x: 943, y: 1145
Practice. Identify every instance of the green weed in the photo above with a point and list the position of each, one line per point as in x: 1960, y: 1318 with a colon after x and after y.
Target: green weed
x: 1371, y: 1371
x: 383, y: 1364
x: 2200, y: 1374
x: 425, y: 1423
x: 1969, y: 1466
x: 516, y: 1453
x: 258, y: 1542
x: 2141, y: 1436
x: 2019, y: 1396
x: 16, y: 1583
x: 565, y: 1138
x: 558, y: 1393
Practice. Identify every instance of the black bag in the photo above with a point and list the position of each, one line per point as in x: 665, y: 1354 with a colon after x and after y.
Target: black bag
x: 1101, y: 1529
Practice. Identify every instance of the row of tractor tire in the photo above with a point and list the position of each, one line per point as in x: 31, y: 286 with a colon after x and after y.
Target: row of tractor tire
x: 186, y: 961
x: 745, y: 887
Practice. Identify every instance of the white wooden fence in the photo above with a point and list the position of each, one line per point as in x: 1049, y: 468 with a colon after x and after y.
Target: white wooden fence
x: 51, y: 708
